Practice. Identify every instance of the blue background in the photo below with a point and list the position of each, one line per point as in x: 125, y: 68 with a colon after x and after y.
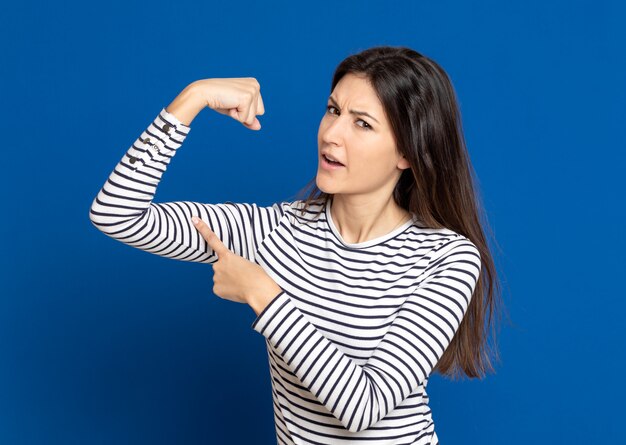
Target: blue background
x: 101, y: 343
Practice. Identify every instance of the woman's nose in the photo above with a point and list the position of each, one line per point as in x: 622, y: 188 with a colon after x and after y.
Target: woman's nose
x: 333, y: 130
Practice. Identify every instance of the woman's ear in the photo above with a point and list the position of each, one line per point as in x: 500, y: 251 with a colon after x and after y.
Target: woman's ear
x: 403, y: 164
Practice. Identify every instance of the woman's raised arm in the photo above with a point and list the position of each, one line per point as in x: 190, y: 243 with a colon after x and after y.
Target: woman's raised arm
x: 123, y: 208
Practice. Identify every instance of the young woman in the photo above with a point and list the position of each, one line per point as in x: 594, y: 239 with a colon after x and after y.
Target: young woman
x: 379, y: 277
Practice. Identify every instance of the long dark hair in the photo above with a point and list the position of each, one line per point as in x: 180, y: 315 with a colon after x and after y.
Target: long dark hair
x: 439, y: 188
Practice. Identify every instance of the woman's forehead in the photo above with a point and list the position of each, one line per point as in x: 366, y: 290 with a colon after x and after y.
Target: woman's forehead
x: 357, y: 91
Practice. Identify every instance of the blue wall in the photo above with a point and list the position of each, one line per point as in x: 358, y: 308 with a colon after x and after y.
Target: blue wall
x: 101, y: 343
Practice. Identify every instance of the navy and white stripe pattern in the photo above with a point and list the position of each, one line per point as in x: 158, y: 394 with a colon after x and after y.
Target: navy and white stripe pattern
x: 357, y: 328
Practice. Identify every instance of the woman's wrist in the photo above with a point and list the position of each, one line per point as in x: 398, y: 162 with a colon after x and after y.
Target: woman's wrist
x: 186, y: 106
x: 260, y: 300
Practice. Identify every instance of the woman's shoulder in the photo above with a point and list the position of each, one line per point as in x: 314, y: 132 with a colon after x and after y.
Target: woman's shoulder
x: 303, y: 210
x: 441, y: 238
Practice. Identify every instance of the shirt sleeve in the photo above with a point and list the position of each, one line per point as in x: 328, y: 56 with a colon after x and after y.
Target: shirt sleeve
x: 124, y: 209
x: 361, y: 395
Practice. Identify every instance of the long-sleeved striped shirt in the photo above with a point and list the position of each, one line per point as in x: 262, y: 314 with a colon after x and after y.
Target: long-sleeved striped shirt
x: 357, y: 328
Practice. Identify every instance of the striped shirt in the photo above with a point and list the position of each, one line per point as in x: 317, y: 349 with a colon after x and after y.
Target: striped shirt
x: 357, y: 327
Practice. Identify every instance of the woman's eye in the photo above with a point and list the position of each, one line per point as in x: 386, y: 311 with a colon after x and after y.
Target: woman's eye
x: 360, y: 122
x: 331, y: 110
x: 364, y: 125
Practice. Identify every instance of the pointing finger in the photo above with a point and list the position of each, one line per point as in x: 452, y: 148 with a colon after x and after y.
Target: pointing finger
x: 210, y: 237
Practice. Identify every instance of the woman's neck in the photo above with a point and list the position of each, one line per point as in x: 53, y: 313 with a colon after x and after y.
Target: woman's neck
x: 360, y: 219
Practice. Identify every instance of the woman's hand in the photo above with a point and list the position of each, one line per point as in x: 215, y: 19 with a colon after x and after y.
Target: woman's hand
x: 234, y: 277
x: 239, y: 98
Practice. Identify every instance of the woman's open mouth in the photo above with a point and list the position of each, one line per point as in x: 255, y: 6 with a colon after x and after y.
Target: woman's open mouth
x: 330, y: 164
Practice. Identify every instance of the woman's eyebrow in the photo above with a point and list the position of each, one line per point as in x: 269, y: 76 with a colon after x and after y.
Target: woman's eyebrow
x: 358, y: 113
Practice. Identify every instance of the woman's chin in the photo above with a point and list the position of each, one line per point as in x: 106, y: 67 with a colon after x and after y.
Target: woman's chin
x: 323, y: 185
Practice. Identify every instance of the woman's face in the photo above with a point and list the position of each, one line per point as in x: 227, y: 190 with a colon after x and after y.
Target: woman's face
x: 355, y: 133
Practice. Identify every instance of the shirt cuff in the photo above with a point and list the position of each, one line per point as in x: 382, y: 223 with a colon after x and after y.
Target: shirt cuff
x: 158, y: 143
x: 272, y: 314
x: 286, y: 328
x: 173, y: 121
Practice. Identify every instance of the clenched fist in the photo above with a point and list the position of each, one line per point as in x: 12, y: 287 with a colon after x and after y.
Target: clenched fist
x: 239, y: 98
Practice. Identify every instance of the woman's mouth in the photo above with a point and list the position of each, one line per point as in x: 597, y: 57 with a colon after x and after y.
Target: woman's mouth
x: 330, y: 164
